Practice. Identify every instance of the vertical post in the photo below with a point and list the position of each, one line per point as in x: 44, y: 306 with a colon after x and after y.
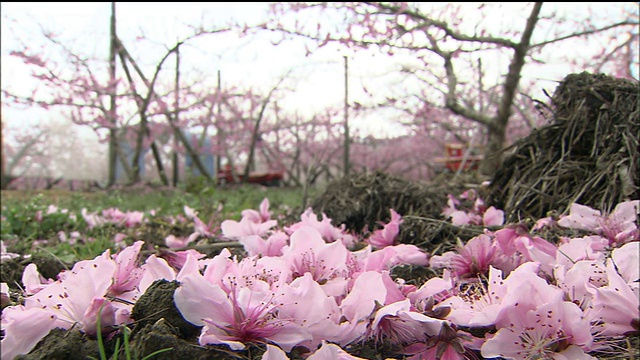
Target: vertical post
x: 4, y: 180
x: 347, y: 140
x: 219, y: 128
x: 113, y: 132
x: 176, y: 112
x: 480, y: 86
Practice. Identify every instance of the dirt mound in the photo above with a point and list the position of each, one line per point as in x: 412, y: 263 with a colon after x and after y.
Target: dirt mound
x: 589, y: 154
x: 361, y: 201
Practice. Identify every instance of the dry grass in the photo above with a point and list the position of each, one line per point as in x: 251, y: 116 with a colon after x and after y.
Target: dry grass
x: 589, y: 154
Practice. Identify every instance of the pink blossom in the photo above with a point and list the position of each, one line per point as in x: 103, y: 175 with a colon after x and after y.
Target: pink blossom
x: 72, y: 297
x: 360, y: 303
x: 245, y: 227
x: 241, y: 316
x: 114, y: 215
x: 321, y: 319
x: 479, y: 214
x: 32, y: 280
x: 23, y: 329
x: 586, y: 248
x: 272, y: 246
x: 99, y: 309
x: 92, y: 219
x: 175, y: 242
x: 452, y: 203
x: 549, y: 331
x: 579, y: 280
x: 189, y: 212
x: 155, y: 268
x: 493, y: 217
x: 546, y: 222
x: 627, y: 260
x: 619, y: 226
x: 38, y: 216
x: 251, y: 223
x: 5, y: 255
x: 202, y: 229
x: 397, y: 323
x: 471, y: 259
x: 133, y: 219
x: 177, y: 259
x: 127, y: 274
x: 390, y: 256
x: 274, y: 353
x: 616, y: 306
x: 478, y: 304
x: 459, y: 218
x: 75, y: 299
x: 516, y: 239
x: 328, y: 232
x: 448, y: 344
x: 308, y: 252
x: 327, y: 351
x: 330, y: 351
x: 118, y: 239
x: 262, y: 216
x: 527, y: 290
x: 435, y: 289
x: 387, y: 235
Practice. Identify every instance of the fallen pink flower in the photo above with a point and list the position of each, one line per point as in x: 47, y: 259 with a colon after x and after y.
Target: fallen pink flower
x: 262, y: 216
x: 328, y: 232
x: 472, y: 259
x: 32, y: 280
x: 175, y: 242
x: 573, y: 250
x: 387, y: 235
x: 23, y: 329
x: 549, y: 331
x: 627, y: 260
x: 516, y: 239
x: 390, y: 256
x: 619, y: 226
x: 5, y: 255
x: 397, y: 323
x: 272, y: 246
x: 616, y: 306
x: 245, y: 227
x: 242, y: 316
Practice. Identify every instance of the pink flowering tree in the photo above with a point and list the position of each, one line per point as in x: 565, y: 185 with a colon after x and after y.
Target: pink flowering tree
x: 445, y: 60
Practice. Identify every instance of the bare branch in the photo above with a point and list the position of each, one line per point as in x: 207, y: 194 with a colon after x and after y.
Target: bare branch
x: 586, y: 32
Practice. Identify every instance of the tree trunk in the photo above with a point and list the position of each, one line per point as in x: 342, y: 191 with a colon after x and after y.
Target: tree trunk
x: 497, y: 128
x: 113, y: 132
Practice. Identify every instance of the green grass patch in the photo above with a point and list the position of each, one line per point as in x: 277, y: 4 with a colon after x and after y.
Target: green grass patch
x: 25, y: 232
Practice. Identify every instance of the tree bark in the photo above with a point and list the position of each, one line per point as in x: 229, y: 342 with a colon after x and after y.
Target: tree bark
x: 113, y: 132
x: 498, y: 125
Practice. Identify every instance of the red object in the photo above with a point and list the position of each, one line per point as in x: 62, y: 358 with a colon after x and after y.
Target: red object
x: 268, y: 179
x: 454, y: 156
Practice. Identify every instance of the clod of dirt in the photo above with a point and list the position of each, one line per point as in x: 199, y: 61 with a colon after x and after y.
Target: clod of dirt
x: 161, y: 336
x: 159, y: 325
x: 12, y: 269
x: 589, y: 154
x: 362, y: 201
x: 157, y: 303
x: 62, y: 344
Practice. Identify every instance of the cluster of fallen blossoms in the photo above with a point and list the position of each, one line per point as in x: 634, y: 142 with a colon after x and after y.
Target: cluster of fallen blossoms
x: 507, y: 293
